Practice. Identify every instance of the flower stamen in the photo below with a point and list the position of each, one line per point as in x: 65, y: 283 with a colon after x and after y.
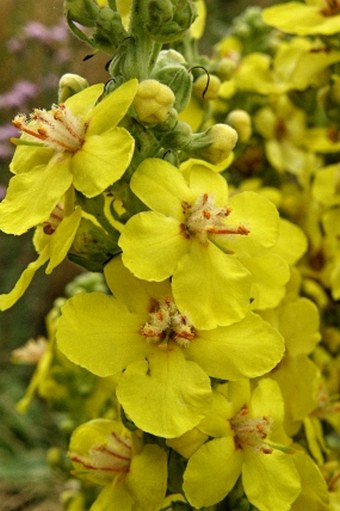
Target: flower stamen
x: 204, y: 218
x: 57, y: 128
x: 332, y: 8
x: 167, y: 325
x: 251, y: 431
x: 55, y: 218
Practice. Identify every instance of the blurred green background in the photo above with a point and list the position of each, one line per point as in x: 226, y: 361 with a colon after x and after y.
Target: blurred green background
x: 35, y: 50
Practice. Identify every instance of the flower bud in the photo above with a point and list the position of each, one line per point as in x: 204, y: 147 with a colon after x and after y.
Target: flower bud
x: 81, y: 11
x: 109, y: 29
x: 214, y: 145
x: 31, y: 352
x: 54, y: 457
x: 169, y: 57
x: 180, y: 82
x: 225, y: 68
x: 207, y: 87
x: 101, y: 451
x: 167, y: 20
x: 170, y: 70
x: 179, y: 137
x: 240, y: 120
x: 70, y: 84
x: 153, y: 101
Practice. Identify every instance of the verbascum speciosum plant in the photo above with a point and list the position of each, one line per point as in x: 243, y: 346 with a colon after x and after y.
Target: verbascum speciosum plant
x: 204, y: 194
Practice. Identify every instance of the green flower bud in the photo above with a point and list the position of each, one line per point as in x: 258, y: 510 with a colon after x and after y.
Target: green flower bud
x: 167, y: 20
x: 170, y: 69
x: 240, y: 120
x: 87, y: 282
x: 73, y: 500
x: 224, y: 68
x: 109, y: 29
x: 153, y: 101
x: 70, y: 84
x: 213, y: 145
x: 179, y: 137
x: 54, y: 457
x: 180, y: 82
x: 169, y: 57
x: 81, y: 11
x: 206, y: 87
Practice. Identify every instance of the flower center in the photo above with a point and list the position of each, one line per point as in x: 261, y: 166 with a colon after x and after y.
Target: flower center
x: 113, y: 456
x: 167, y: 325
x: 332, y: 8
x: 58, y: 128
x: 204, y: 218
x: 251, y: 431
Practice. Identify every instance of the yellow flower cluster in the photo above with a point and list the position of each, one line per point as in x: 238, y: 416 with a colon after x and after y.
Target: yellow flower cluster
x: 207, y: 202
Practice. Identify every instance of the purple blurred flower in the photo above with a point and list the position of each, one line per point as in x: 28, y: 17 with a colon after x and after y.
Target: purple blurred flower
x: 6, y: 149
x: 7, y: 131
x: 37, y: 31
x: 63, y: 55
x: 14, y: 45
x: 59, y: 33
x: 18, y: 95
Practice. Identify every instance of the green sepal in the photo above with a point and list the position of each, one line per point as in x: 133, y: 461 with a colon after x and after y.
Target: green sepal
x: 81, y: 11
x: 95, y: 206
x: 76, y: 31
x: 92, y: 247
x: 177, y: 77
x: 176, y: 467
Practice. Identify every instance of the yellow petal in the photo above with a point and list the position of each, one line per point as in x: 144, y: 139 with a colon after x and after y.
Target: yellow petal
x: 105, y: 341
x: 166, y: 395
x: 152, y: 245
x: 211, y: 287
x: 9, y: 299
x: 212, y: 472
x: 111, y: 110
x: 31, y: 196
x: 246, y: 349
x: 101, y: 161
x: 270, y: 481
x: 147, y: 477
x: 62, y: 239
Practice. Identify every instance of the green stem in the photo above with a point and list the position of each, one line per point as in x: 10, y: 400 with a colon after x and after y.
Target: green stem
x: 146, y: 49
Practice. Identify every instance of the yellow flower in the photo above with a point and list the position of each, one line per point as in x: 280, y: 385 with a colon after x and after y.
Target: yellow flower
x: 297, y: 319
x: 312, y: 17
x: 212, y: 246
x: 283, y: 126
x: 250, y: 442
x: 74, y: 144
x: 162, y: 360
x: 132, y: 475
x: 52, y: 242
x: 297, y: 64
